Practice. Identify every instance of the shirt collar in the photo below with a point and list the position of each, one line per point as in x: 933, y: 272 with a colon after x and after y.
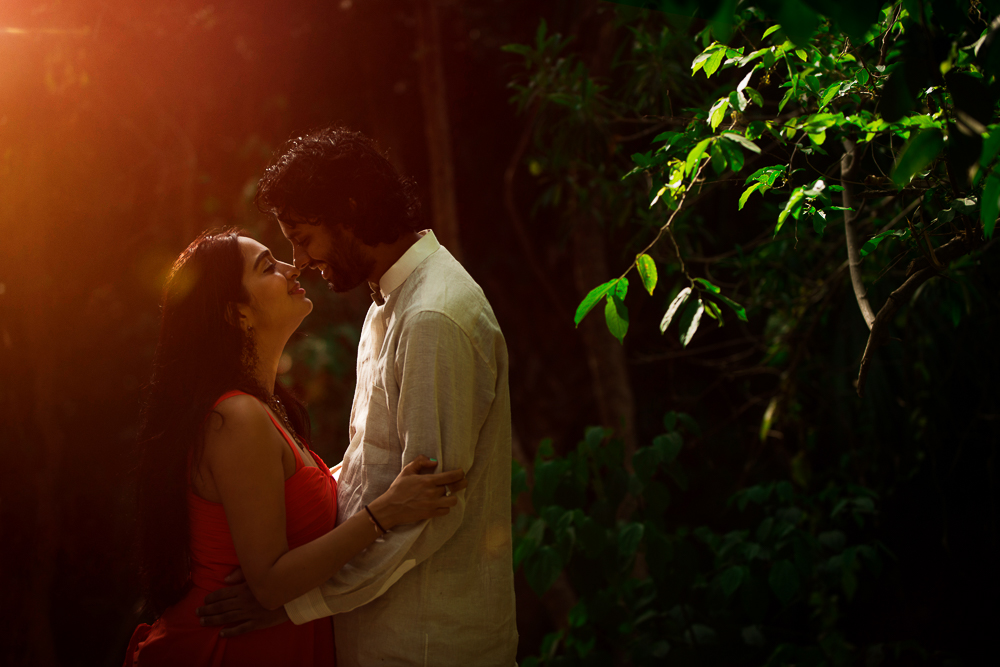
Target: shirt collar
x: 404, y: 266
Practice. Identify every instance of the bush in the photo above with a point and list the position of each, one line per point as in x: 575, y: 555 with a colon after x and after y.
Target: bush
x: 769, y: 590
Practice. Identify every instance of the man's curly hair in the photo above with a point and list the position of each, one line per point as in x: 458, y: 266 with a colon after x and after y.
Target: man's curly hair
x: 337, y: 176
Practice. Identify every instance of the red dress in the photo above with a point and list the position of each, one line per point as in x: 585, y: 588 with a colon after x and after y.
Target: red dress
x: 177, y: 637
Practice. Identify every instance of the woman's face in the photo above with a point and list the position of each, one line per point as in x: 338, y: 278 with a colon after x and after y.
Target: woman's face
x: 278, y: 303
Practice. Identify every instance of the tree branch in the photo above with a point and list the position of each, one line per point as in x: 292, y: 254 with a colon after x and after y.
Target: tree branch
x: 917, y: 275
x: 884, y: 51
x: 850, y: 162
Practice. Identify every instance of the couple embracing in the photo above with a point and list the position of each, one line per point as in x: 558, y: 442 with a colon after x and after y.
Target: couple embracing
x: 249, y: 543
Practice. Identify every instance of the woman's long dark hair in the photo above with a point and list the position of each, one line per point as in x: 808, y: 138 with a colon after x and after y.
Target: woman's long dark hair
x: 202, y: 353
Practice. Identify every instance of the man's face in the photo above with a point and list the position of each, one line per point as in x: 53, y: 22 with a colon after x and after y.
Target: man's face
x: 335, y: 252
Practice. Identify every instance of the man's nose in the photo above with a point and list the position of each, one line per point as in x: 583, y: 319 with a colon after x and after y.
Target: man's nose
x: 299, y: 258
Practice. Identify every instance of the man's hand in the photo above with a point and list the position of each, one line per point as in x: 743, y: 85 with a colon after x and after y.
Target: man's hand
x: 237, y: 605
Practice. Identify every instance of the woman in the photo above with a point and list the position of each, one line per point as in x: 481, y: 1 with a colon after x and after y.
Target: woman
x: 225, y: 478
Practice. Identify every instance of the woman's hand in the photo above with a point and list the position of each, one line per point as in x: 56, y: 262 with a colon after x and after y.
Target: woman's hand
x: 415, y: 497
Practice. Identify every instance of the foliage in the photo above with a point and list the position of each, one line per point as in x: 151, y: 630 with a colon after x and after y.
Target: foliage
x: 800, y: 149
x: 772, y: 590
x: 907, y: 91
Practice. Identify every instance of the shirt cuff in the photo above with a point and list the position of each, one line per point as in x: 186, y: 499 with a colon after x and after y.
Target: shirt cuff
x: 308, y: 607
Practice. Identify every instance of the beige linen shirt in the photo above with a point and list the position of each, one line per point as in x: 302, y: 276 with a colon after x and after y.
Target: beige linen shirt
x: 432, y: 380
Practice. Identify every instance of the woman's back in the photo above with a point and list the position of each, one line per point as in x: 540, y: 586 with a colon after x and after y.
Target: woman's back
x: 177, y: 637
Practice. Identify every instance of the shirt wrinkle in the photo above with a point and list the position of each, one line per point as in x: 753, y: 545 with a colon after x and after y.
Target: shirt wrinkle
x: 446, y: 396
x: 472, y: 341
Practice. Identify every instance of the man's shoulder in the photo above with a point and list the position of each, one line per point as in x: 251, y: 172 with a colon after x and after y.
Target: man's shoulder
x: 441, y: 284
x: 441, y: 288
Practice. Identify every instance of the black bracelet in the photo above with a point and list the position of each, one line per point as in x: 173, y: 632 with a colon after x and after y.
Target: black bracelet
x: 377, y: 524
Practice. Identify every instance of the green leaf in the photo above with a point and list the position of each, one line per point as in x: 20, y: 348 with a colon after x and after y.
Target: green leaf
x: 814, y: 190
x: 747, y: 59
x: 829, y: 93
x: 746, y: 194
x: 668, y: 444
x: 784, y: 580
x: 666, y: 137
x: 540, y: 34
x: 792, y: 207
x: 620, y: 289
x: 542, y: 569
x: 770, y: 31
x: 734, y: 156
x: 737, y: 100
x: 771, y: 175
x: 731, y: 579
x: 629, y: 538
x: 675, y: 305
x: 756, y: 128
x: 991, y: 145
x: 740, y: 310
x: 518, y: 480
x: 645, y: 461
x: 690, y: 320
x: 862, y: 76
x: 591, y: 300
x: 700, y: 60
x: 713, y: 62
x: 917, y: 155
x: 642, y: 159
x: 709, y: 286
x: 530, y: 542
x: 718, y: 158
x: 718, y: 113
x: 647, y: 271
x: 742, y: 141
x: 990, y: 205
x: 770, y: 57
x: 616, y: 316
x: 755, y: 97
x: 873, y: 242
x: 659, y: 194
x: 669, y: 421
x: 819, y: 222
x: 516, y: 48
x: 694, y: 157
x: 712, y: 310
x: 766, y: 175
x: 789, y: 94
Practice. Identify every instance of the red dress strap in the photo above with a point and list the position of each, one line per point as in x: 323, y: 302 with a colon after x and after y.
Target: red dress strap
x: 295, y: 450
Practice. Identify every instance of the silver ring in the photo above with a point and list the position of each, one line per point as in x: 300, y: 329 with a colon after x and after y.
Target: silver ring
x: 447, y: 491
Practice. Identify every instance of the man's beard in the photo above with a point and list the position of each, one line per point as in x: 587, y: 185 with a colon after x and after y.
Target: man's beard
x: 349, y: 267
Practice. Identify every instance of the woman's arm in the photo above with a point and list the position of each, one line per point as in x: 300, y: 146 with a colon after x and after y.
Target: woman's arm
x: 244, y: 457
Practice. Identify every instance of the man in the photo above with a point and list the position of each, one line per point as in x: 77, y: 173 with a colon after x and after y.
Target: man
x: 431, y: 379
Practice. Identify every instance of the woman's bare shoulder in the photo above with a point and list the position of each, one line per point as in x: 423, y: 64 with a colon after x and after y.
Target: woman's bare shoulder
x: 237, y: 417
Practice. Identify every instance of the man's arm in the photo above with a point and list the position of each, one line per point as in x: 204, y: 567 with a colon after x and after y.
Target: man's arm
x: 444, y: 382
x: 235, y: 606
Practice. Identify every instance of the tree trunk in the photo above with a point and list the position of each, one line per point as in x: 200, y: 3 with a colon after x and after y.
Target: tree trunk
x: 433, y: 92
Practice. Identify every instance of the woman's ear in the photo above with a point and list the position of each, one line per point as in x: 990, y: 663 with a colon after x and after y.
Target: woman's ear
x: 238, y: 315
